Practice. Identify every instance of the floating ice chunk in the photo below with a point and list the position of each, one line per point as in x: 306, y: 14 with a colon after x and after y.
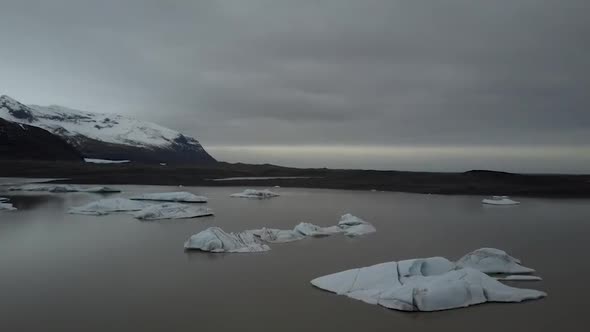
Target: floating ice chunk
x: 490, y: 260
x: 180, y: 196
x: 428, y: 284
x: 54, y: 188
x: 355, y: 226
x: 6, y: 206
x: 499, y: 200
x: 106, y: 206
x: 104, y: 190
x: 214, y: 239
x: 272, y: 235
x: 172, y: 211
x: 3, y: 200
x: 519, y: 278
x: 259, y: 194
x: 62, y: 188
x: 308, y: 229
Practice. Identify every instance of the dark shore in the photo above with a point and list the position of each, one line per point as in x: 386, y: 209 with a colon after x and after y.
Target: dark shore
x: 477, y: 182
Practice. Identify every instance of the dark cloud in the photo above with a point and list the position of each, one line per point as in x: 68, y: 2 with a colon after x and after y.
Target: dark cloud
x: 312, y: 72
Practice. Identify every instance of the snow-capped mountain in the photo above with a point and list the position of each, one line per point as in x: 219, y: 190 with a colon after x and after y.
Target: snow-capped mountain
x: 107, y: 136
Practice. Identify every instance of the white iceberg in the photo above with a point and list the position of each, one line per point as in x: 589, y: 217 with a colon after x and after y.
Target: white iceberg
x: 102, y: 190
x: 491, y: 260
x: 520, y: 278
x: 6, y: 207
x: 106, y: 206
x: 3, y: 200
x: 54, y: 188
x: 172, y: 211
x: 214, y: 239
x: 180, y: 196
x: 499, y: 200
x: 355, y: 226
x: 272, y: 235
x: 428, y: 284
x: 308, y: 229
x: 62, y: 188
x: 259, y: 194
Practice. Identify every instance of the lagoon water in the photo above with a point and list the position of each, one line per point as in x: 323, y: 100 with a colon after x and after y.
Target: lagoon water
x: 62, y: 272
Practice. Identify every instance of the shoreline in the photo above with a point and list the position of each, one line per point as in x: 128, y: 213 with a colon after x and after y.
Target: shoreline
x: 477, y: 182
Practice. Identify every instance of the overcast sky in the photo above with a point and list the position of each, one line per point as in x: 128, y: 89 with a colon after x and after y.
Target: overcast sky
x: 317, y: 74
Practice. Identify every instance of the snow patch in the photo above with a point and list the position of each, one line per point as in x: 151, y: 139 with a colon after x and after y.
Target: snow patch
x: 105, y: 161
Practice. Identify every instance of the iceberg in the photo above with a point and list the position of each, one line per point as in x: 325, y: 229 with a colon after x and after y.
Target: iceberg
x: 106, y: 206
x: 519, y: 278
x: 180, y: 196
x: 491, y: 260
x: 214, y: 239
x: 272, y: 235
x: 3, y: 200
x: 355, y: 226
x: 172, y: 211
x: 258, y: 194
x: 427, y: 284
x: 308, y: 229
x: 62, y: 188
x: 6, y: 206
x: 499, y: 200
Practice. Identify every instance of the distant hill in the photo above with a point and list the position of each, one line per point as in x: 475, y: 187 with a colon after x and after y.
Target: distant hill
x: 19, y: 141
x: 108, y: 136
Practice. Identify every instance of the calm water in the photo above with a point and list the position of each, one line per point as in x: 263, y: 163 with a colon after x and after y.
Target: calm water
x: 61, y: 272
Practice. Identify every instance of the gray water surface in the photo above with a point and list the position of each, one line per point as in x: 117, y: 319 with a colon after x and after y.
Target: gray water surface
x: 61, y: 272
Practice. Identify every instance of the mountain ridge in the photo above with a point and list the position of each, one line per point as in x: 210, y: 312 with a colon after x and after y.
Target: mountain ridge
x: 108, y: 136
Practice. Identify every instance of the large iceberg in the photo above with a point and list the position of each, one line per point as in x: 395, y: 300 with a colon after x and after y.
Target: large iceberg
x: 62, y: 188
x: 258, y: 194
x: 214, y: 239
x: 499, y: 200
x: 491, y: 260
x: 106, y: 206
x: 428, y: 284
x: 181, y: 196
x: 172, y: 211
x: 349, y: 225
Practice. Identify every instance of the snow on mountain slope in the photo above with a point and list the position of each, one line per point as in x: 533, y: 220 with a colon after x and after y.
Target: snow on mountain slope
x: 85, y: 129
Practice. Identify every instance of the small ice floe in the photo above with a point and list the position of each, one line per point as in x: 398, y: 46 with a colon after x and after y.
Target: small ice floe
x: 428, y: 284
x: 491, y: 260
x: 106, y: 206
x: 63, y: 188
x: 499, y: 200
x: 180, y: 196
x: 214, y: 239
x: 355, y: 226
x: 105, y: 161
x: 519, y: 278
x: 172, y: 211
x: 273, y: 235
x: 5, y: 206
x: 259, y: 194
x: 308, y: 229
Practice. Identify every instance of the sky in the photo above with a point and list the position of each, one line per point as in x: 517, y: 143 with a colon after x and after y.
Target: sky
x: 394, y: 84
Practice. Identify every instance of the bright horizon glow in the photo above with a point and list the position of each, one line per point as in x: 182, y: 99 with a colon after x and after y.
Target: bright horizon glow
x: 524, y: 159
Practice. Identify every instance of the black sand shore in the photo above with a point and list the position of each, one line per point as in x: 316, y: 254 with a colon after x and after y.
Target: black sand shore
x: 475, y: 182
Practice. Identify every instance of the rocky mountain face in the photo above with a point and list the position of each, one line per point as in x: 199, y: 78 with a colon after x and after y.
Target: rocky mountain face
x: 108, y: 136
x: 24, y: 142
